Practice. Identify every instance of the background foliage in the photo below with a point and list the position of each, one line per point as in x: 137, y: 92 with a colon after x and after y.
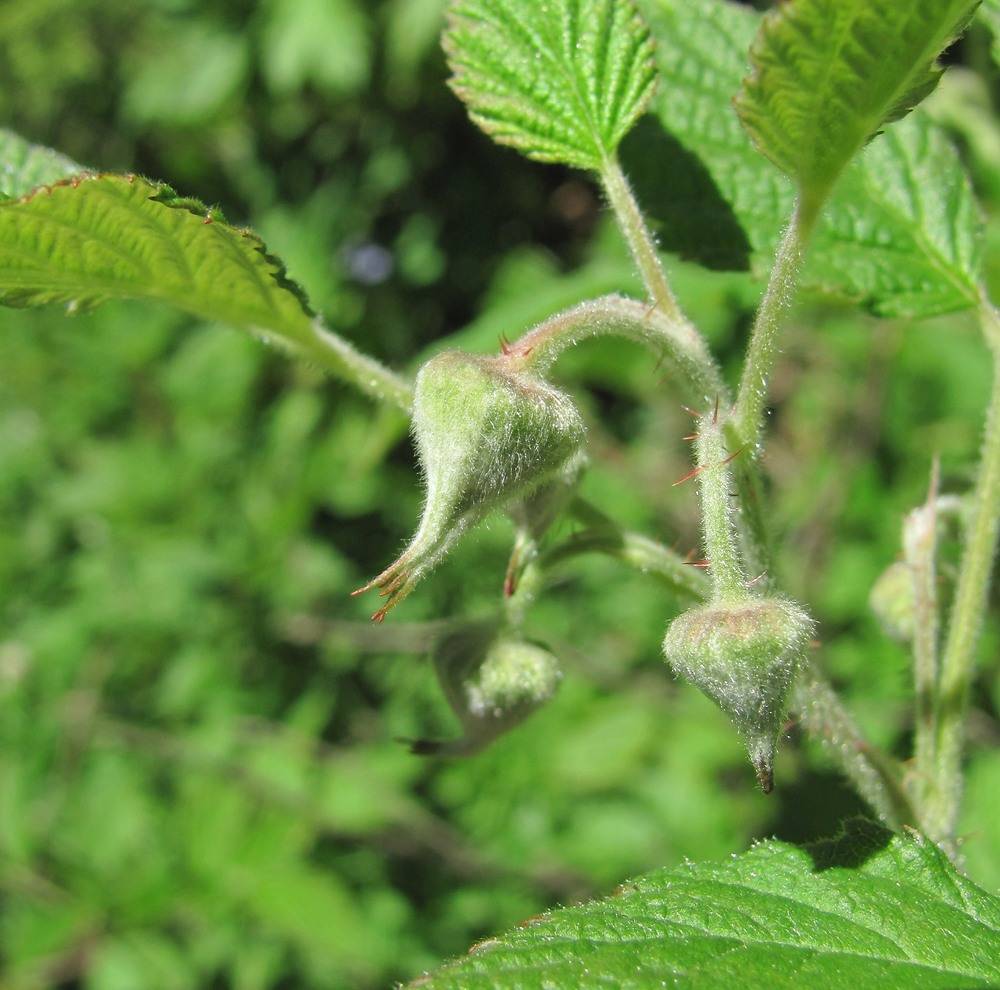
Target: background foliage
x: 199, y: 780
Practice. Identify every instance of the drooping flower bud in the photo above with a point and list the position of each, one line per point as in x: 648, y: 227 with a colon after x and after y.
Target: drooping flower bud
x: 744, y: 656
x: 488, y: 432
x: 492, y: 681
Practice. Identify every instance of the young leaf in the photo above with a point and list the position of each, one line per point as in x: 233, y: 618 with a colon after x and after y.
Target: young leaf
x: 898, y: 234
x: 561, y: 81
x: 92, y: 238
x: 25, y: 166
x: 866, y: 910
x: 827, y: 74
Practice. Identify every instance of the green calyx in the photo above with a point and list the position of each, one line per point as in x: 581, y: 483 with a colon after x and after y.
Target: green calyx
x: 492, y: 680
x: 488, y: 432
x: 744, y: 655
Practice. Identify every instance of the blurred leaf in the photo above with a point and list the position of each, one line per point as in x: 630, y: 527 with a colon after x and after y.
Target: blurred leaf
x: 561, y: 81
x: 323, y: 42
x: 827, y: 74
x: 195, y: 69
x: 989, y: 12
x: 899, y: 235
x: 25, y: 166
x: 867, y: 909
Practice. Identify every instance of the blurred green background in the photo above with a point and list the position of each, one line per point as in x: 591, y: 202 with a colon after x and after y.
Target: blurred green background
x: 200, y: 783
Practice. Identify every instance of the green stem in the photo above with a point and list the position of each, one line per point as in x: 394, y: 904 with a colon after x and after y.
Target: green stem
x: 335, y: 355
x: 603, y: 535
x: 639, y: 240
x: 675, y: 343
x: 920, y: 550
x: 958, y: 657
x: 748, y: 416
x: 874, y: 775
x: 725, y: 567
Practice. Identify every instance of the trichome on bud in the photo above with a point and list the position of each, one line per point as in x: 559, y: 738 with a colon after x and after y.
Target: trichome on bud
x: 744, y: 655
x: 488, y: 431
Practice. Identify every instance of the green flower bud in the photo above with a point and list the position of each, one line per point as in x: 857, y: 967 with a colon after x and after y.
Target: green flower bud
x: 892, y: 600
x: 744, y: 656
x: 487, y: 432
x: 492, y: 682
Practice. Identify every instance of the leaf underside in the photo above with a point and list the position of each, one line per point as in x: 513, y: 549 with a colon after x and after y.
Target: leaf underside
x: 868, y: 910
x: 827, y: 74
x: 561, y: 81
x: 899, y: 235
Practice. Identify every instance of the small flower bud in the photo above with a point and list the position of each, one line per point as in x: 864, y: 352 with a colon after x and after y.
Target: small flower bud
x: 744, y: 656
x: 892, y: 600
x: 492, y: 682
x: 487, y: 433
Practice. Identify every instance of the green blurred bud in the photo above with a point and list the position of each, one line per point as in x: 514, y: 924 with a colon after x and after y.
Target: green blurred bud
x: 487, y: 432
x: 492, y: 681
x: 893, y: 602
x: 744, y: 656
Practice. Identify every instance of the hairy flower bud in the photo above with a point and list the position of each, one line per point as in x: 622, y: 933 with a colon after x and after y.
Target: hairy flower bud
x: 744, y: 656
x: 487, y: 432
x: 492, y: 681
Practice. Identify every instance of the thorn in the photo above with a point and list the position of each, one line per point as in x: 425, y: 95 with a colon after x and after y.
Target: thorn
x: 688, y: 409
x: 697, y: 563
x: 750, y: 584
x: 689, y: 475
x: 732, y: 457
x: 693, y: 436
x: 509, y: 585
x: 504, y: 343
x: 715, y: 413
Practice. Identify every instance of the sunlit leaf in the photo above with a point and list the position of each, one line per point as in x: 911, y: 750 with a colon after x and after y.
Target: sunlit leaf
x: 561, y: 81
x: 868, y: 910
x: 898, y: 235
x: 827, y: 74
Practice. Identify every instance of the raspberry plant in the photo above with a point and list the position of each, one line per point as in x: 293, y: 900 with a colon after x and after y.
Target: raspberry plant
x: 826, y: 125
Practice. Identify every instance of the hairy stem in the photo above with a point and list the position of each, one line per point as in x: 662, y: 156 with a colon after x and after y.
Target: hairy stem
x: 676, y: 344
x: 725, y: 566
x: 874, y: 775
x: 920, y: 548
x: 640, y: 241
x: 603, y: 535
x: 335, y: 355
x: 748, y: 418
x: 958, y: 656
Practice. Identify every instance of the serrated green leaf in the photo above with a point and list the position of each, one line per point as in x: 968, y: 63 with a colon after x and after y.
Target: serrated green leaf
x: 902, y: 230
x: 99, y: 237
x: 92, y: 238
x: 827, y: 74
x: 899, y: 235
x: 561, y: 81
x: 869, y: 910
x: 25, y: 166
